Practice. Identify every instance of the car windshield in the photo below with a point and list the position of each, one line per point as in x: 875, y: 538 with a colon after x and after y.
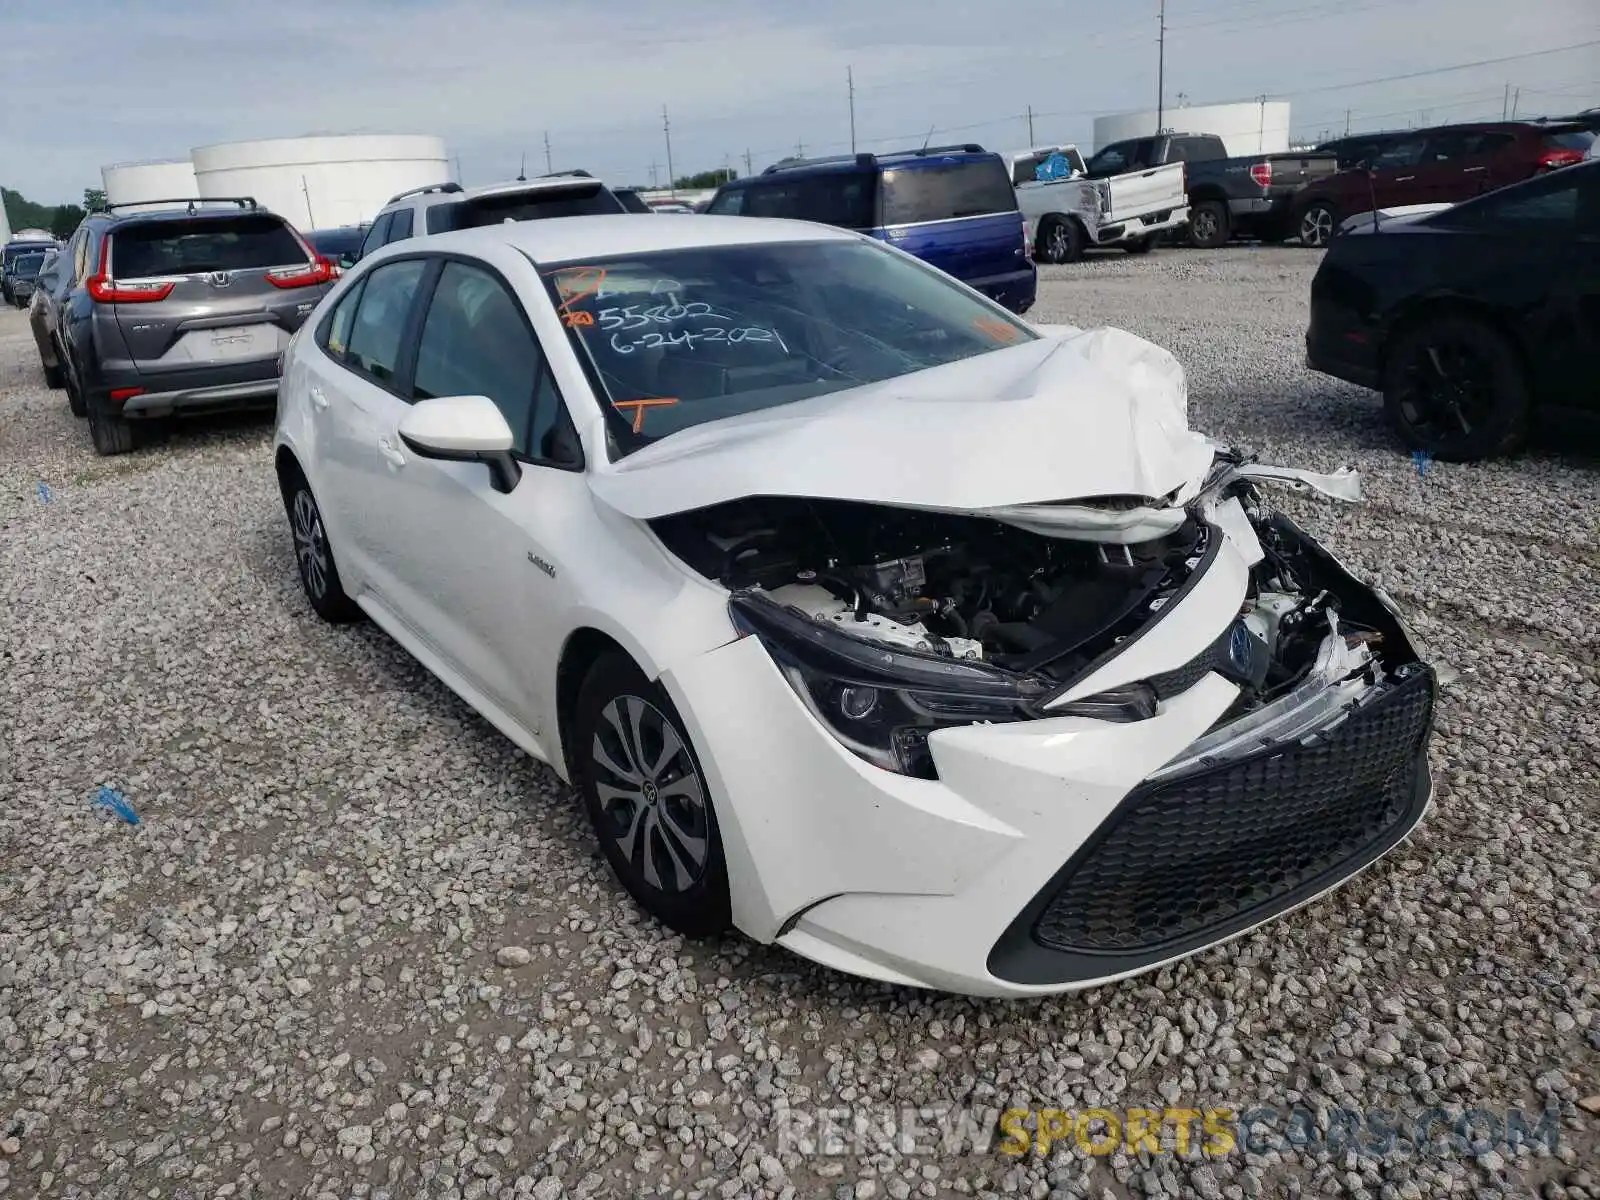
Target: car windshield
x: 676, y: 338
x: 1570, y: 139
x: 27, y: 265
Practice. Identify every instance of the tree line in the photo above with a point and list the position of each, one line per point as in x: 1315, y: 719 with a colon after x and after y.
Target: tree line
x: 59, y: 219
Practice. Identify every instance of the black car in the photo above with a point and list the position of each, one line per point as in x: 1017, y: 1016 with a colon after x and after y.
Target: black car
x: 1470, y: 318
x: 340, y: 246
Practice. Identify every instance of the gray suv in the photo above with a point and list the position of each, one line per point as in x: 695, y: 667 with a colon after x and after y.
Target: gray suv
x: 180, y: 310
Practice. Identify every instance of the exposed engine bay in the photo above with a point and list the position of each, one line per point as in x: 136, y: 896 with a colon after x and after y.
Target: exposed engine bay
x: 1048, y: 608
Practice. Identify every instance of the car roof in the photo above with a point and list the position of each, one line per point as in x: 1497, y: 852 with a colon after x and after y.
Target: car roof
x: 562, y: 239
x: 200, y: 212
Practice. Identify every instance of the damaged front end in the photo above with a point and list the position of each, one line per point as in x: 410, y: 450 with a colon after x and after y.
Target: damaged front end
x: 891, y: 623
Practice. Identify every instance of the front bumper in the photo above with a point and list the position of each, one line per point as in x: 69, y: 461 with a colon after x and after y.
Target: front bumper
x: 1044, y: 858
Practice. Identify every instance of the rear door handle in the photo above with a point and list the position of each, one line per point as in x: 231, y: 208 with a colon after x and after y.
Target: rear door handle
x: 391, y: 453
x: 1470, y: 170
x: 1404, y: 178
x: 318, y: 398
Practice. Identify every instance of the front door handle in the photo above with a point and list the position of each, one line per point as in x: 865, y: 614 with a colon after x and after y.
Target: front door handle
x: 1404, y: 178
x: 1471, y: 170
x: 391, y: 453
x: 318, y: 398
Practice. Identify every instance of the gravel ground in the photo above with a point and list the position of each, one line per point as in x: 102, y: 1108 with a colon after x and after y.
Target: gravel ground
x: 360, y: 946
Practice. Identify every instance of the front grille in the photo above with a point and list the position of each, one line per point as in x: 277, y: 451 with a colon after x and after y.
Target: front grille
x: 1188, y: 856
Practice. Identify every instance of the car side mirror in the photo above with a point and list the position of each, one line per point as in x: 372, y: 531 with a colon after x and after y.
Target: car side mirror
x: 463, y: 429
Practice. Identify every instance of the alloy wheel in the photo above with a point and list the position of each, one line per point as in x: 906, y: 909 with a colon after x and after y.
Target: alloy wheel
x: 1058, y: 244
x: 651, y: 796
x: 310, y: 544
x: 1316, y: 226
x: 1447, y: 390
x: 1205, y: 225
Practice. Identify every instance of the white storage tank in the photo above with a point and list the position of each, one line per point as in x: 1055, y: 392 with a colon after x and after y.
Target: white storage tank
x: 320, y: 182
x: 137, y: 182
x: 1253, y: 127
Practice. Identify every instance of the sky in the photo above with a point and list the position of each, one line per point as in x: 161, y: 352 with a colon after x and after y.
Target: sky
x: 130, y: 80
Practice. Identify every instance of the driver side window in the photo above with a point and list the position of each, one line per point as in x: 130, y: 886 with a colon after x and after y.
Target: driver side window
x: 476, y: 341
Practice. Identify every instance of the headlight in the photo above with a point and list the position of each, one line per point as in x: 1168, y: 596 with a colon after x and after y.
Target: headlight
x: 880, y: 702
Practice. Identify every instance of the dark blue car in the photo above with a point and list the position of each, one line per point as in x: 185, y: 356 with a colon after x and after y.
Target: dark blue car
x: 951, y: 206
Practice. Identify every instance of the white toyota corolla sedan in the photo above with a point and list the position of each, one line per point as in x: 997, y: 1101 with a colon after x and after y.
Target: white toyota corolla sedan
x: 862, y: 615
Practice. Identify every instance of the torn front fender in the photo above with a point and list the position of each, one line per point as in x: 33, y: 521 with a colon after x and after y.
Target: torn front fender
x: 1343, y: 485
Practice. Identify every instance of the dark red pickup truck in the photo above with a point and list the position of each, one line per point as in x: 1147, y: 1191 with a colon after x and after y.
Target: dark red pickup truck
x: 1443, y: 165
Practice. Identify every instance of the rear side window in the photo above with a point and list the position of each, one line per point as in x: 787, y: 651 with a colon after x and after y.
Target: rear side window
x: 399, y: 227
x: 592, y: 200
x: 945, y: 192
x: 840, y: 198
x: 377, y: 235
x: 336, y: 335
x: 1405, y: 153
x: 193, y: 247
x: 727, y: 203
x: 380, y: 319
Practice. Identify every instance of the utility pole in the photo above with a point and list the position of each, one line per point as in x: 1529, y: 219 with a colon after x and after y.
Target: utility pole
x: 652, y: 172
x: 1516, y: 99
x: 1505, y: 104
x: 547, y: 165
x: 311, y: 221
x: 799, y: 148
x: 850, y: 78
x: 666, y: 129
x: 1161, y: 66
x: 748, y: 169
x: 522, y: 171
x: 1030, y: 127
x: 1347, y: 122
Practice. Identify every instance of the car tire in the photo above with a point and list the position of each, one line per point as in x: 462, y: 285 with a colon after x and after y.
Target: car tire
x: 1060, y: 240
x: 1140, y: 245
x: 663, y: 845
x: 110, y: 432
x: 313, y: 556
x: 1209, y: 224
x: 1316, y: 225
x: 1456, y: 387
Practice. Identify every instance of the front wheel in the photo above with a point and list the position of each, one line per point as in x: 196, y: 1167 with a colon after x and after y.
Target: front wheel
x: 1455, y: 387
x: 1317, y: 223
x: 648, y: 799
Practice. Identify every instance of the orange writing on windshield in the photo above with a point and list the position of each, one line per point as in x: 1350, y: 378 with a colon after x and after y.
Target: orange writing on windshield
x: 575, y: 284
x: 998, y: 330
x: 571, y: 319
x: 640, y: 406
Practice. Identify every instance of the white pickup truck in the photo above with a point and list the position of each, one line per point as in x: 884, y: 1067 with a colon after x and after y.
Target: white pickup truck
x: 1066, y: 216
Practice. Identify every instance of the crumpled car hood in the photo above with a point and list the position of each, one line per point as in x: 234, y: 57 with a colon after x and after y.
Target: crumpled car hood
x: 1069, y: 417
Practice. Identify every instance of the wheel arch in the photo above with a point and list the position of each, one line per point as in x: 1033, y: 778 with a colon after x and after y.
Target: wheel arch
x: 1432, y: 307
x: 584, y: 647
x: 1206, y: 193
x: 288, y: 469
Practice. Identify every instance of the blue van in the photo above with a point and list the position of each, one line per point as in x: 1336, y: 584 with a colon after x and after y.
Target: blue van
x: 951, y: 206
